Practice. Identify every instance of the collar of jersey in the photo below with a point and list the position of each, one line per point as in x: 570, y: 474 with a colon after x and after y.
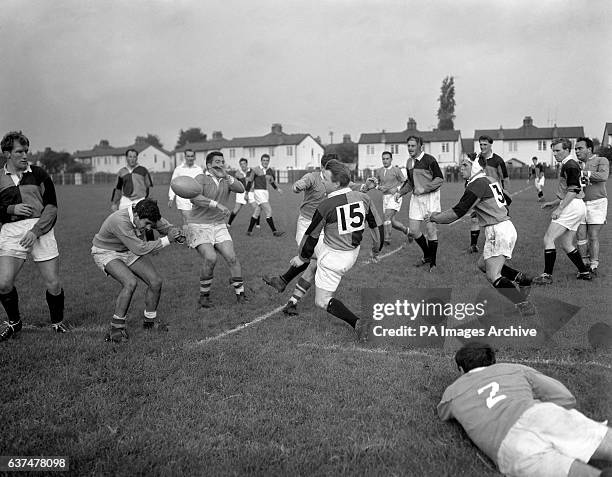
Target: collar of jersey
x: 568, y: 158
x: 420, y: 156
x: 479, y: 174
x: 27, y: 169
x: 344, y: 190
x: 475, y: 370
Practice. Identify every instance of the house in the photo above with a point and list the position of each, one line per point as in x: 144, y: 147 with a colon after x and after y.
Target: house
x: 527, y: 141
x: 105, y: 158
x: 445, y: 146
x: 516, y: 163
x: 346, y: 150
x: 607, y: 136
x: 286, y: 151
x: 467, y: 147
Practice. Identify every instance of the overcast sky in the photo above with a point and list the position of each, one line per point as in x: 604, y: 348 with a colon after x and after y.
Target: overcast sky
x: 77, y: 71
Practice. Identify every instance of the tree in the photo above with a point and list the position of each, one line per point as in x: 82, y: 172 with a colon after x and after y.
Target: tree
x: 446, y: 111
x: 54, y: 161
x: 151, y: 139
x: 190, y: 135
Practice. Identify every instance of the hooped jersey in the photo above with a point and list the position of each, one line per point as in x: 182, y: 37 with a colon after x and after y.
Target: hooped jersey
x: 343, y: 217
x: 488, y: 401
x: 390, y: 179
x: 486, y: 196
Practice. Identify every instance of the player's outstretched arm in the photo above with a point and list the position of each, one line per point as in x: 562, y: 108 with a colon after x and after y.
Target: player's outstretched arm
x: 547, y: 389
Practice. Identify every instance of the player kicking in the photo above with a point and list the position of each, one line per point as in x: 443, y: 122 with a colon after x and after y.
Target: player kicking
x: 207, y: 231
x: 342, y: 217
x: 245, y: 176
x: 424, y: 181
x: 522, y: 419
x: 486, y: 197
x: 120, y: 251
x: 569, y: 213
x: 390, y: 179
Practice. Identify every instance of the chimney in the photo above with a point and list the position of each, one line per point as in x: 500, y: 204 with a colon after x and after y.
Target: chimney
x: 346, y: 138
x: 383, y: 137
x: 217, y: 135
x: 500, y: 134
x: 277, y: 128
x: 412, y: 126
x: 527, y: 122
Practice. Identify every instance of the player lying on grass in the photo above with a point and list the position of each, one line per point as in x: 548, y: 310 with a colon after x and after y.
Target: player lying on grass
x: 119, y: 250
x: 313, y: 186
x: 485, y: 196
x: 342, y: 216
x: 522, y: 419
x: 28, y: 209
x: 207, y: 231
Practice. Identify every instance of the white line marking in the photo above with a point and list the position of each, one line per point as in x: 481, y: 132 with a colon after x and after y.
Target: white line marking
x: 563, y: 362
x: 276, y: 310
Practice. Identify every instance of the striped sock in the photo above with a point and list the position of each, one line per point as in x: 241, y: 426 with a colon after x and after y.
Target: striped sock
x: 238, y: 284
x: 118, y: 322
x: 301, y: 288
x: 205, y: 283
x: 149, y: 316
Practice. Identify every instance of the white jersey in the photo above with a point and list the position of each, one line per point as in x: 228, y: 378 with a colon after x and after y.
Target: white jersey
x: 183, y: 170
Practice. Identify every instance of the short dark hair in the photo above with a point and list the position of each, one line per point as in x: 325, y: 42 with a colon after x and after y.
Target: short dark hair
x: 331, y: 156
x: 189, y: 150
x: 10, y: 138
x: 242, y: 159
x: 211, y: 155
x: 565, y: 143
x: 475, y: 354
x: 418, y: 139
x: 484, y: 137
x: 148, y: 209
x: 534, y: 158
x: 339, y: 172
x: 387, y: 152
x: 129, y: 150
x: 587, y: 141
x: 265, y: 155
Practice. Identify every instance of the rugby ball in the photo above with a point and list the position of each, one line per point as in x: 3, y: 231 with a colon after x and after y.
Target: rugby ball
x: 186, y: 187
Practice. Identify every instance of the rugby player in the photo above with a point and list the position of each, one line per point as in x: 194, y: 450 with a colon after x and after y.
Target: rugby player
x: 595, y: 173
x: 424, y: 179
x: 188, y: 168
x: 522, y: 419
x: 207, y: 231
x: 245, y: 176
x: 342, y: 217
x: 262, y: 176
x: 569, y: 212
x: 390, y: 179
x: 486, y: 197
x: 133, y: 184
x: 119, y: 251
x: 536, y: 171
x: 28, y: 212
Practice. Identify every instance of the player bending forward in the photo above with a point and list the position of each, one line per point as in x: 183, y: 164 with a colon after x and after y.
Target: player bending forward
x: 522, y: 419
x: 120, y: 251
x: 342, y: 217
x: 486, y: 196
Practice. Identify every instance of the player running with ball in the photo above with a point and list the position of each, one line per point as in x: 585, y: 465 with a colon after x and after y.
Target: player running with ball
x: 486, y: 196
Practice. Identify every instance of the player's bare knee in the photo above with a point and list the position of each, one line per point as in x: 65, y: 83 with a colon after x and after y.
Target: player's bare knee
x: 156, y: 283
x: 130, y: 285
x: 321, y: 302
x: 5, y: 286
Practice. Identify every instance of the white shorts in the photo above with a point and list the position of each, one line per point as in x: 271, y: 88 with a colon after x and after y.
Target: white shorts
x: 197, y: 234
x: 102, y: 257
x: 545, y: 441
x: 44, y: 248
x: 126, y: 202
x: 332, y: 265
x: 499, y: 240
x: 261, y: 196
x: 573, y: 215
x: 390, y: 203
x: 183, y: 204
x: 421, y: 205
x: 240, y: 198
x: 539, y: 182
x: 596, y: 211
x: 302, y: 226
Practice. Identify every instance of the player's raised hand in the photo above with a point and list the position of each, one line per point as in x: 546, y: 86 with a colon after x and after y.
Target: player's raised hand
x: 219, y: 172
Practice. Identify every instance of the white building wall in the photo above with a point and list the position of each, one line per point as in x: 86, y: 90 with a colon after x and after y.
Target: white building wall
x: 308, y: 154
x: 155, y: 160
x: 370, y: 155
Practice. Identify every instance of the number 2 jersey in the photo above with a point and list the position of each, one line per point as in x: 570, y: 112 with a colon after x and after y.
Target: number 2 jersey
x: 343, y: 217
x: 486, y: 196
x: 488, y: 401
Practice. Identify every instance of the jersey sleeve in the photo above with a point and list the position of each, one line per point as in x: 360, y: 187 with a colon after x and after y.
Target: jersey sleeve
x: 547, y: 389
x: 48, y: 216
x: 466, y: 202
x: 311, y: 236
x: 302, y: 184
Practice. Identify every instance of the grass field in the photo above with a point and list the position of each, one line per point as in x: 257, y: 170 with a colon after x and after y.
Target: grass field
x: 282, y: 396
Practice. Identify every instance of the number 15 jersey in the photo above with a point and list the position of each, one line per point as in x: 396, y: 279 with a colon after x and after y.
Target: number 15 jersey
x: 343, y: 217
x: 488, y: 401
